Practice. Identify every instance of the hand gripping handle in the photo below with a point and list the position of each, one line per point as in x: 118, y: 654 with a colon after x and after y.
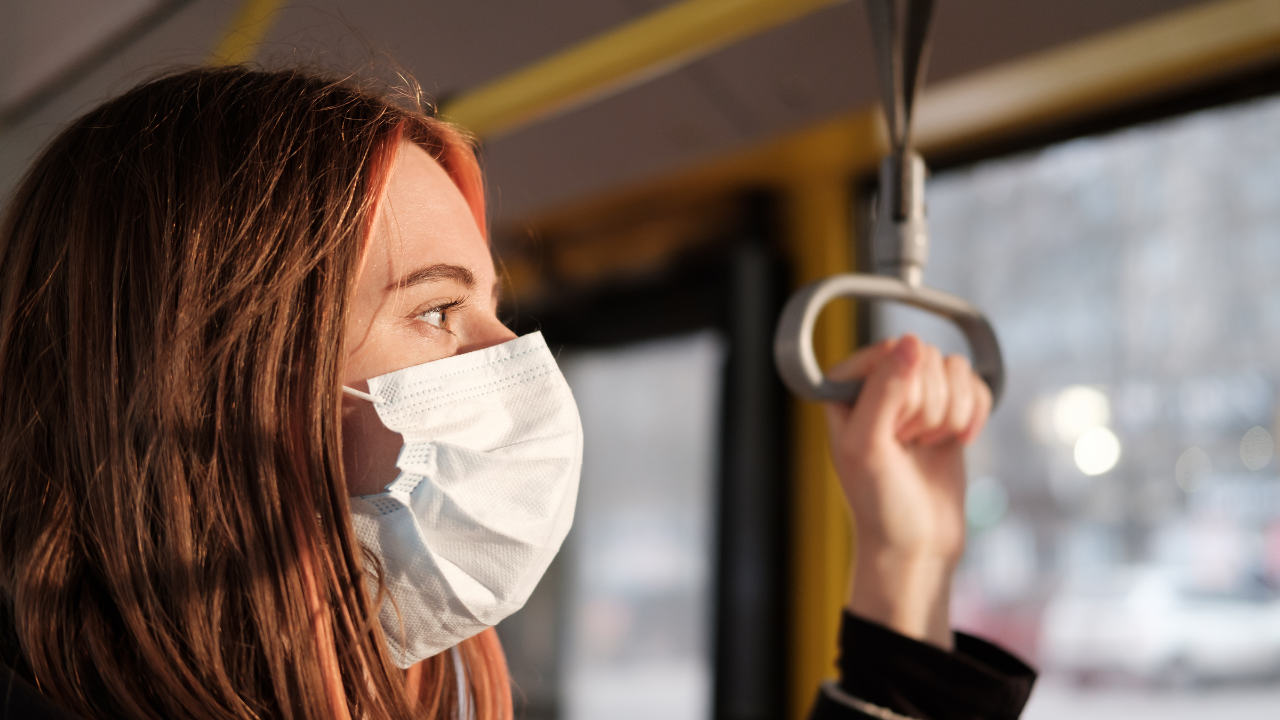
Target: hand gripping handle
x: 793, y: 342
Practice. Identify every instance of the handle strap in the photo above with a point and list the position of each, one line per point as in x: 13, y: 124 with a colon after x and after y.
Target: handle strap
x: 900, y: 30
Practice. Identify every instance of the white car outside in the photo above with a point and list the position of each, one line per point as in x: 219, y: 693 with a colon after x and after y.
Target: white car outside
x: 1140, y: 623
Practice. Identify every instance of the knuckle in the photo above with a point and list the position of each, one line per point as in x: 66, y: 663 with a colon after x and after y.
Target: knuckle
x: 936, y: 411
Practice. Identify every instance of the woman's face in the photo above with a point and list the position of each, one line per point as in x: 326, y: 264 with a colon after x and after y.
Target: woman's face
x: 426, y: 290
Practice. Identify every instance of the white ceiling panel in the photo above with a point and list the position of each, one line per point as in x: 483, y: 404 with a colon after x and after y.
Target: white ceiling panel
x: 789, y: 77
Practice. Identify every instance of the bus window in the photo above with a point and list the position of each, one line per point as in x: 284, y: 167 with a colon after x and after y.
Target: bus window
x: 640, y: 589
x: 668, y: 598
x: 1124, y: 504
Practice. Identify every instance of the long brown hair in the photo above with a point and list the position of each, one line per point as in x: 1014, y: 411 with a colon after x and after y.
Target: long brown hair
x: 175, y: 539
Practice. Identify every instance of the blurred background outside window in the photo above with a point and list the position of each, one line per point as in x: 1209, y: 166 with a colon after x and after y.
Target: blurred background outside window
x: 666, y: 600
x: 639, y: 593
x: 1124, y: 503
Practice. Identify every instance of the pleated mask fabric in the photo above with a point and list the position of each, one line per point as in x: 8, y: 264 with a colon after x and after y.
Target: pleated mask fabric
x: 485, y: 496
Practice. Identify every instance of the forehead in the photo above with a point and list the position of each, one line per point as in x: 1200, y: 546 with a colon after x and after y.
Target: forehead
x: 422, y: 218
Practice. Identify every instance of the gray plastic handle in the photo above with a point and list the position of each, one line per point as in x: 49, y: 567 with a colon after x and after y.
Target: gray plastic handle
x: 793, y: 342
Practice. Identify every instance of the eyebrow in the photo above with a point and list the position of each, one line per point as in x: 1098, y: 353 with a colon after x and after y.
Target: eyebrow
x: 433, y: 273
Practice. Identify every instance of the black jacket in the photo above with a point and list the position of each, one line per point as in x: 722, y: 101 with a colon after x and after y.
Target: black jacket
x: 883, y: 676
x: 886, y: 676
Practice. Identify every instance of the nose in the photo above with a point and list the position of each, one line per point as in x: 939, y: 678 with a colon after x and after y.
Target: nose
x: 487, y: 333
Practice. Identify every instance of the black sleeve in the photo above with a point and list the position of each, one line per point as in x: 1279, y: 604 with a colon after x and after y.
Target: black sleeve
x: 19, y: 700
x: 886, y: 676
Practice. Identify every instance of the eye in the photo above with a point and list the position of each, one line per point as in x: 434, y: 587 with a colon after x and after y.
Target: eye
x: 434, y: 316
x: 439, y: 316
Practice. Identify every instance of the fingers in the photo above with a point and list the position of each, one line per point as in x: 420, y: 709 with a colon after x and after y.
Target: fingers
x: 912, y: 394
x: 964, y: 394
x: 962, y: 399
x: 981, y: 411
x: 969, y: 404
x: 935, y: 399
x: 860, y: 365
x: 893, y: 393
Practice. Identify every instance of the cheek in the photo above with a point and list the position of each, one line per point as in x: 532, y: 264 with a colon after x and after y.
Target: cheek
x: 369, y: 449
x: 369, y: 350
x: 360, y: 341
x: 370, y: 354
x: 393, y: 345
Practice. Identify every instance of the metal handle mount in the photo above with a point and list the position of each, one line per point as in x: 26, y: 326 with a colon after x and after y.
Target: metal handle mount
x: 901, y: 239
x: 793, y: 342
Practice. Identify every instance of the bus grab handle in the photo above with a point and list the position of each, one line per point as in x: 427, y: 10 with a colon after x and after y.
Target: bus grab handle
x: 793, y: 341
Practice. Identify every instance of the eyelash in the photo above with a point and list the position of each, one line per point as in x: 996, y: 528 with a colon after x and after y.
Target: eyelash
x: 443, y: 309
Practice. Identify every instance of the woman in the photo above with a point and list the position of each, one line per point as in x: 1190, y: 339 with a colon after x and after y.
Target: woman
x: 264, y: 443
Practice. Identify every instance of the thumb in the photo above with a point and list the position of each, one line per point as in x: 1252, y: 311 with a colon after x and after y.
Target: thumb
x: 860, y: 364
x: 855, y: 367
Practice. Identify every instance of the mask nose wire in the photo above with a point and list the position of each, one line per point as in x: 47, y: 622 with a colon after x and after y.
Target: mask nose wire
x: 362, y: 395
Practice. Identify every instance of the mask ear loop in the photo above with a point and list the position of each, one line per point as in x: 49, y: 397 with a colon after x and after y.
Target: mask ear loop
x: 362, y: 395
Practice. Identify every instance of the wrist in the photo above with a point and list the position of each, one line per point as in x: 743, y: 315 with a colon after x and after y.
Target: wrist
x: 909, y: 593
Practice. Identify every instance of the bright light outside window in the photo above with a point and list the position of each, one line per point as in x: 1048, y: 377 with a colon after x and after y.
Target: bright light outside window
x: 1125, y: 502
x: 641, y: 555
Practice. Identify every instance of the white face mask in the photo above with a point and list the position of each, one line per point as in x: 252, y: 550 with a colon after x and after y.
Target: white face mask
x: 487, y: 486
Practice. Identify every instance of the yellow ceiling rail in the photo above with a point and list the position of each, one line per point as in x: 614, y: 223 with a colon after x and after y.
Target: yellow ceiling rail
x: 249, y: 27
x: 1091, y: 75
x: 638, y: 51
x: 1178, y: 48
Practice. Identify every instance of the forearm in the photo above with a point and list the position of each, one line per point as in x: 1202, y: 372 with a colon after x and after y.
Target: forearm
x: 910, y: 595
x: 899, y: 452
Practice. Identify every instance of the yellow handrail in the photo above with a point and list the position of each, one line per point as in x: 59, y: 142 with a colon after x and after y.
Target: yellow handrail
x: 244, y: 36
x: 638, y: 51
